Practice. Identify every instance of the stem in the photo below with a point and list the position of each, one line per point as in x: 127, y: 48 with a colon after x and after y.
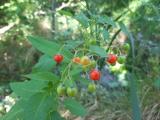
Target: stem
x: 87, y: 5
x: 61, y: 48
x: 96, y: 29
x: 113, y: 38
x: 67, y: 72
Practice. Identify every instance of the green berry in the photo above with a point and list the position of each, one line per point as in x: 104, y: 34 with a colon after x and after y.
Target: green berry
x: 126, y: 47
x: 93, y: 42
x: 121, y: 59
x: 91, y: 87
x: 72, y: 91
x: 93, y: 64
x: 61, y: 90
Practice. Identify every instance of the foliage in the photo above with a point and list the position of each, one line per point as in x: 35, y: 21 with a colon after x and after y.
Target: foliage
x: 42, y: 96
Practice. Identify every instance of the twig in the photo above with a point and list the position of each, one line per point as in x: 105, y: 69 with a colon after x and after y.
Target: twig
x: 64, y: 5
x: 113, y: 38
x: 6, y: 28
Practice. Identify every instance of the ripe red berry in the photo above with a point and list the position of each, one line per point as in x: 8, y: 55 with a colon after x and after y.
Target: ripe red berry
x: 112, y: 58
x: 58, y: 58
x: 95, y: 75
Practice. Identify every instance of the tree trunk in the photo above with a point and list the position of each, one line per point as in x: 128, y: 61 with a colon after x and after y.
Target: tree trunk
x: 54, y: 4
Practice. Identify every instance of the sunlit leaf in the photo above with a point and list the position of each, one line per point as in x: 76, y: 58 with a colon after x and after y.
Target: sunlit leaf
x: 44, y: 76
x: 55, y: 116
x: 28, y: 88
x: 66, y: 13
x: 123, y: 28
x: 72, y: 44
x: 98, y: 50
x: 39, y: 106
x: 45, y: 63
x: 106, y: 20
x: 49, y: 47
x: 74, y: 107
x: 82, y: 19
x: 105, y: 34
x: 16, y: 112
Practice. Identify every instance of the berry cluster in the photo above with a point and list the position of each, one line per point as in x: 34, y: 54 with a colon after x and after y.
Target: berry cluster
x: 87, y: 64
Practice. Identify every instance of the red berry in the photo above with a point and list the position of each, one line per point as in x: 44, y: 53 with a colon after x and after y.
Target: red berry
x: 112, y: 58
x: 95, y: 75
x: 58, y: 58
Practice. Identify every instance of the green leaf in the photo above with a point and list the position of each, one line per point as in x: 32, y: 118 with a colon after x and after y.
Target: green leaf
x: 74, y: 107
x: 55, y: 116
x: 72, y: 44
x: 155, y: 50
x: 39, y: 106
x: 16, y: 112
x: 123, y: 28
x: 134, y: 97
x: 98, y: 50
x: 66, y: 13
x: 101, y: 20
x: 48, y: 47
x: 82, y: 19
x: 44, y: 76
x: 105, y: 34
x: 85, y: 81
x: 16, y: 115
x: 28, y: 88
x: 110, y: 21
x: 76, y: 71
x: 157, y: 83
x: 106, y: 20
x: 130, y: 36
x: 45, y: 63
x: 69, y: 83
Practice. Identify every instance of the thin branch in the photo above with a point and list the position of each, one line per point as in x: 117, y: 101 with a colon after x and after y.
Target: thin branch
x: 116, y: 19
x: 64, y: 5
x: 113, y: 38
x: 6, y: 28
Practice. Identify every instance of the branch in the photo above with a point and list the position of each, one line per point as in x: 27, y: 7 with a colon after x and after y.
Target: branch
x: 64, y: 5
x: 6, y: 28
x: 113, y: 38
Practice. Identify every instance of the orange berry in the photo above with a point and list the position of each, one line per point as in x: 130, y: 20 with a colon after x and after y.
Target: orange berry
x: 76, y: 60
